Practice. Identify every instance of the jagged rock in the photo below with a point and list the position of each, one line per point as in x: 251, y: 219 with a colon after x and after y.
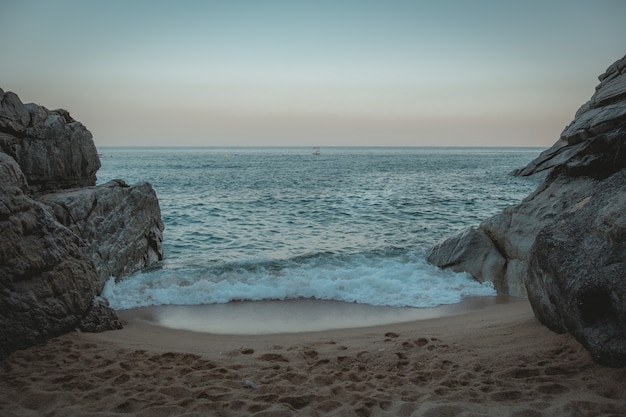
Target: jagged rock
x: 577, y: 277
x: 569, y: 167
x: 121, y: 225
x: 564, y: 245
x: 53, y: 150
x: 473, y: 251
x: 47, y: 280
x: 592, y: 144
x: 59, y: 242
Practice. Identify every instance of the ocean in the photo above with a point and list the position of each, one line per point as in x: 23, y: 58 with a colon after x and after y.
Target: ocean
x: 350, y: 224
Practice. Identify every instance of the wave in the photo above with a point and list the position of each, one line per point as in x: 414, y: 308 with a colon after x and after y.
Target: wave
x: 392, y: 277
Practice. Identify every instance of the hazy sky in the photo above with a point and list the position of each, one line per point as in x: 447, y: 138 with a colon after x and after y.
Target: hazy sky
x: 312, y: 73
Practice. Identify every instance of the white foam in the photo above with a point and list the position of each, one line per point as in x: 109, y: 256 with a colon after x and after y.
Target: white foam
x: 397, y: 281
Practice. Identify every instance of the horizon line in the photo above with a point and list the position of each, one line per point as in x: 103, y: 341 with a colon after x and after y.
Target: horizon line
x: 316, y: 146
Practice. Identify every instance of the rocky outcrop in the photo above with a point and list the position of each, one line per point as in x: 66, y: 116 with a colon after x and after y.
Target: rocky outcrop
x: 47, y: 280
x: 53, y: 150
x: 577, y: 277
x: 121, y: 225
x: 506, y: 240
x: 563, y: 246
x: 590, y: 148
x: 62, y: 236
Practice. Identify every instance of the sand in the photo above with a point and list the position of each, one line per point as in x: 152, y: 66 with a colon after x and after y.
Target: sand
x: 493, y: 361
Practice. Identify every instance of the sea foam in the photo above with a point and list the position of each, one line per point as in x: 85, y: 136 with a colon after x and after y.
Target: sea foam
x: 400, y: 280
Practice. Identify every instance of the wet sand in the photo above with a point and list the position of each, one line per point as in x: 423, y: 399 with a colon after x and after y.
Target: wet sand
x: 493, y: 360
x: 293, y: 316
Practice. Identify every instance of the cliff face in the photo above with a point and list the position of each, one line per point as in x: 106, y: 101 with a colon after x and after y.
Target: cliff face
x: 62, y: 236
x: 564, y: 245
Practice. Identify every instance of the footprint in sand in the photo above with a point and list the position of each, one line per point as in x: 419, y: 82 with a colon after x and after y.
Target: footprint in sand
x: 273, y: 357
x: 552, y: 389
x: 507, y: 396
x: 310, y: 354
x: 444, y: 410
x: 422, y: 341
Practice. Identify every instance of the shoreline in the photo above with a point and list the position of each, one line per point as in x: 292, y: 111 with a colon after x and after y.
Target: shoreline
x: 497, y: 360
x: 294, y: 315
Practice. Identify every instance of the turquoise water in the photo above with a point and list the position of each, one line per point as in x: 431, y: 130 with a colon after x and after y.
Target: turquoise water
x: 350, y: 224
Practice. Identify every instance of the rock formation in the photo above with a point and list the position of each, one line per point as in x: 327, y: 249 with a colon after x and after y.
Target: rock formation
x: 47, y: 280
x: 121, y: 225
x: 564, y: 246
x: 577, y: 277
x: 53, y: 150
x: 62, y: 236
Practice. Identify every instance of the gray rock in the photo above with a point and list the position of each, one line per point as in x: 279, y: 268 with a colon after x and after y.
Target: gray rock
x: 577, y: 277
x: 14, y: 116
x: 514, y: 230
x: 592, y: 144
x: 62, y: 236
x: 47, y: 280
x: 53, y: 150
x: 120, y: 224
x: 502, y: 243
x: 472, y: 251
x: 590, y: 148
x: 564, y: 245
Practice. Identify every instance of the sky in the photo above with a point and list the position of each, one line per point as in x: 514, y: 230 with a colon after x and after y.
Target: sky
x: 312, y: 73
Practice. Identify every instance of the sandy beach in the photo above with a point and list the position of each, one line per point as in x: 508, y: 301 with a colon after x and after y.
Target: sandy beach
x: 497, y: 360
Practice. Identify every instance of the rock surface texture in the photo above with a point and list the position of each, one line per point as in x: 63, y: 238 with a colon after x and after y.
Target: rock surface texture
x: 577, y: 277
x: 62, y: 236
x: 53, y: 150
x: 564, y: 246
x: 47, y: 280
x: 121, y: 225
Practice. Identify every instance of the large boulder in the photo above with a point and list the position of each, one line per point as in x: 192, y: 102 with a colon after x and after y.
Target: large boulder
x: 53, y: 150
x: 469, y: 250
x: 577, y: 277
x: 47, y: 280
x: 120, y: 224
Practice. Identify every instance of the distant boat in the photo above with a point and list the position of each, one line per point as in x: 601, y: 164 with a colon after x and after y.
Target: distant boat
x: 316, y: 151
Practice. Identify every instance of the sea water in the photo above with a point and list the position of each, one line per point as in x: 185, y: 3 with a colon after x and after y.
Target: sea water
x: 350, y: 224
